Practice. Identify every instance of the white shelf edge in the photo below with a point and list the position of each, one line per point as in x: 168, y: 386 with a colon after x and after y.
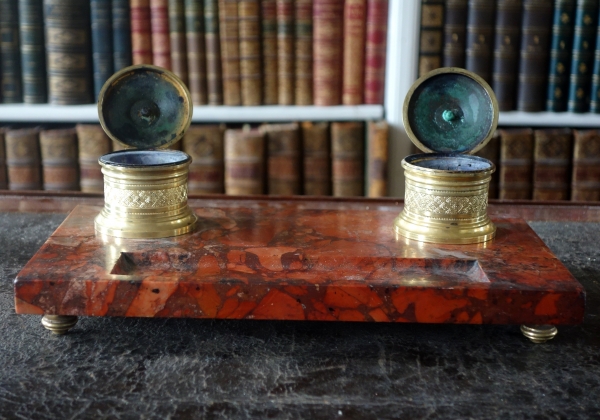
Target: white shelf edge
x: 548, y: 119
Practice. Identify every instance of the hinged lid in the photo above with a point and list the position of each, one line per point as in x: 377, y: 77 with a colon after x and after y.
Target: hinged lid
x: 450, y: 110
x: 145, y: 107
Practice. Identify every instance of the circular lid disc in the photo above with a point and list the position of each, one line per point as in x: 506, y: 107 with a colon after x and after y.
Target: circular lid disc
x: 450, y: 110
x: 144, y: 107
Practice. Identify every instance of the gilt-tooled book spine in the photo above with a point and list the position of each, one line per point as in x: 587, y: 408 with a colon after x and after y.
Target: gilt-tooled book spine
x: 491, y: 152
x: 455, y: 32
x: 244, y: 161
x: 316, y: 158
x: 23, y: 159
x: 552, y: 164
x: 285, y: 52
x: 375, y: 51
x: 377, y: 158
x: 585, y: 181
x: 303, y: 61
x: 516, y: 163
x: 431, y: 35
x: 560, y: 55
x: 347, y: 156
x: 250, y: 57
x: 59, y: 159
x: 204, y: 143
x: 121, y: 34
x: 536, y: 30
x: 506, y: 52
x: 328, y: 26
x: 102, y: 45
x: 68, y: 55
x: 141, y: 32
x: 178, y: 41
x: 214, y: 80
x: 269, y: 52
x: 196, y: 51
x: 480, y: 38
x: 355, y: 15
x: 595, y: 89
x: 161, y: 44
x: 33, y: 51
x: 3, y: 175
x: 230, y: 53
x: 92, y: 143
x: 11, y: 89
x: 284, y: 159
x: 582, y: 59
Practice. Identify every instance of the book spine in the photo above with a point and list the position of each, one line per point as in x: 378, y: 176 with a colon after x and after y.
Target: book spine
x: 552, y: 164
x: 516, y: 164
x: 102, y: 45
x: 582, y: 59
x: 303, y: 62
x: 33, y: 60
x: 328, y: 25
x: 11, y: 89
x: 285, y: 52
x: 214, y: 81
x: 375, y: 51
x: 560, y: 55
x: 23, y: 159
x: 536, y: 30
x: 92, y: 143
x: 595, y: 89
x: 585, y: 181
x: 377, y: 158
x: 355, y: 15
x: 316, y: 158
x: 491, y: 152
x: 161, y: 44
x: 431, y: 35
x: 506, y: 52
x: 196, y: 51
x: 3, y: 174
x: 177, y: 39
x: 204, y: 143
x: 230, y: 54
x: 250, y: 57
x: 121, y: 34
x: 269, y: 52
x: 480, y: 38
x: 67, y: 24
x: 455, y: 32
x: 284, y: 159
x: 244, y: 161
x: 141, y: 32
x: 59, y: 159
x: 347, y: 155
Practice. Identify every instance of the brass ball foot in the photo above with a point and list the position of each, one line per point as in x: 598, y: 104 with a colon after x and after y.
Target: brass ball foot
x: 59, y: 324
x: 539, y: 333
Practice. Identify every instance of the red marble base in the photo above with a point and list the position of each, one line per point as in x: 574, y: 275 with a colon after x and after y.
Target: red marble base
x: 278, y: 260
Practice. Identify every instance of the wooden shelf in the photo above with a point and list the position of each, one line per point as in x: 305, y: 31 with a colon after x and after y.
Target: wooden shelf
x: 549, y: 119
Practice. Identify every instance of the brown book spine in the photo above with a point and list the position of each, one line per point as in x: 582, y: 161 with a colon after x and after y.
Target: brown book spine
x: 204, y: 143
x: 480, y: 38
x: 552, y: 164
x: 214, y: 80
x: 355, y: 15
x: 455, y: 32
x: 177, y: 39
x: 285, y: 52
x: 328, y: 25
x: 317, y: 158
x: 284, y: 161
x: 585, y: 182
x: 375, y: 50
x: 59, y: 159
x: 3, y: 175
x: 250, y: 57
x: 347, y: 155
x: 303, y: 42
x: 230, y: 54
x: 161, y: 44
x: 432, y: 34
x: 377, y: 158
x: 23, y: 159
x: 141, y: 32
x: 516, y: 163
x: 244, y: 161
x: 269, y: 51
x: 196, y: 51
x: 491, y: 152
x: 92, y: 143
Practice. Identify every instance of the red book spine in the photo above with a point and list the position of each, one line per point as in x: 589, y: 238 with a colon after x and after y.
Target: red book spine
x: 377, y: 17
x: 354, y: 51
x: 141, y: 38
x: 328, y: 19
x: 161, y: 42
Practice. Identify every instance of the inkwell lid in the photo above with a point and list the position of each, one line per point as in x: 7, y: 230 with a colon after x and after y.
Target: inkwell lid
x: 450, y: 110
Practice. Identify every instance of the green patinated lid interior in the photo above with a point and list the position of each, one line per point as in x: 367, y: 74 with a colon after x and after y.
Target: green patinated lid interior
x: 450, y: 112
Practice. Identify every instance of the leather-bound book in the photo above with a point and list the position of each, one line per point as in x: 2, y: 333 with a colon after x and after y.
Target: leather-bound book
x: 230, y: 53
x: 141, y: 32
x: 196, y: 51
x: 11, y: 89
x: 250, y: 57
x: 516, y: 163
x: 178, y: 41
x: 480, y: 38
x: 595, y: 89
x: 268, y: 10
x: 161, y: 43
x: 491, y: 152
x: 375, y: 51
x: 506, y: 52
x: 285, y: 52
x: 244, y: 161
x: 303, y: 46
x: 431, y: 35
x: 214, y: 80
x: 355, y: 15
x: 582, y: 58
x: 560, y: 55
x: 23, y: 159
x: 3, y: 175
x: 536, y: 30
x: 455, y: 32
x: 347, y: 158
x: 121, y: 34
x: 552, y: 164
x: 33, y: 52
x: 284, y: 158
x: 328, y: 25
x: 204, y: 143
x: 92, y: 143
x: 316, y: 158
x: 585, y: 181
x: 377, y: 158
x: 102, y: 45
x: 59, y: 159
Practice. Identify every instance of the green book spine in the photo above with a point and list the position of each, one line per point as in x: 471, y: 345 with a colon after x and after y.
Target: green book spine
x: 595, y: 90
x: 121, y: 36
x: 10, y: 55
x: 178, y: 39
x: 33, y: 52
x: 102, y: 46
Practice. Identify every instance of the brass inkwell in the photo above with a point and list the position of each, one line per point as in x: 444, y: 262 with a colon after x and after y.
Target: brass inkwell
x: 145, y: 108
x: 449, y: 114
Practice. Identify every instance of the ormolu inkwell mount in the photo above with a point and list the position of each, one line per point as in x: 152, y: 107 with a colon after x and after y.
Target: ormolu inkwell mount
x: 145, y: 108
x: 449, y: 114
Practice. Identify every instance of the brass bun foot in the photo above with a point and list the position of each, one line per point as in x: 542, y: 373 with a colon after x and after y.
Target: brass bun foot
x: 539, y: 333
x: 59, y: 324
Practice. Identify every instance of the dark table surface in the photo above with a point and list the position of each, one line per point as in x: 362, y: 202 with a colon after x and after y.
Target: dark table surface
x: 182, y: 368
